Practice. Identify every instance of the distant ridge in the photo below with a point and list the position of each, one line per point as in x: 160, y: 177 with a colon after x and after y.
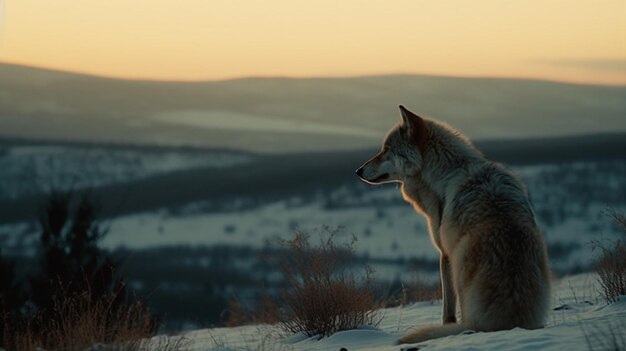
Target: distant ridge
x: 282, y: 115
x: 599, y: 146
x: 47, y: 71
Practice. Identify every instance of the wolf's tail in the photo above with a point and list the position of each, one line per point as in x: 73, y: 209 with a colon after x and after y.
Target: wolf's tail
x: 433, y: 332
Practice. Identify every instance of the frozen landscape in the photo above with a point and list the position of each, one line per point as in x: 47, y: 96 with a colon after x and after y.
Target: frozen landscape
x: 201, y: 215
x: 312, y: 175
x: 197, y: 184
x: 579, y: 320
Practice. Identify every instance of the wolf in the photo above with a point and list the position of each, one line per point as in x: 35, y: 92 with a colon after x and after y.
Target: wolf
x: 493, y: 260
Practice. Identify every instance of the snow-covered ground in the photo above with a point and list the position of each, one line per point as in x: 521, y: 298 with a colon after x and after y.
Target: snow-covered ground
x: 570, y: 200
x: 385, y: 226
x: 29, y: 169
x: 395, y: 231
x: 579, y: 320
x: 237, y: 121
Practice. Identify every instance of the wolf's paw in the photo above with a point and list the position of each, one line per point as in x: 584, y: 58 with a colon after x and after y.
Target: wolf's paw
x: 468, y: 332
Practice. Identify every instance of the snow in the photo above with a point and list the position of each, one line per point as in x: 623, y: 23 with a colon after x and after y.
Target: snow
x: 386, y: 226
x: 256, y: 226
x: 228, y: 120
x: 28, y: 169
x: 391, y: 231
x: 579, y: 319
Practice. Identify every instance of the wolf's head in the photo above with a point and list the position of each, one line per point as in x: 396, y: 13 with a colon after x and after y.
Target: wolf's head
x: 401, y: 155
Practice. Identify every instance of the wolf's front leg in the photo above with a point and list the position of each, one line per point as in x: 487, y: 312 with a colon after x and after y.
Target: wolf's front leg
x: 447, y: 291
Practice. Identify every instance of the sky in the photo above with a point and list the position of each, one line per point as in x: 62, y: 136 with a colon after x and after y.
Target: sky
x: 581, y: 41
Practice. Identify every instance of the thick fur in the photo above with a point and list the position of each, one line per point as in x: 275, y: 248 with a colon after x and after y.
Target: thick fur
x: 493, y: 255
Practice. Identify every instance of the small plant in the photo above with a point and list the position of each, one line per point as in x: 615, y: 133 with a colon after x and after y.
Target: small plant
x: 76, y: 299
x: 236, y: 314
x: 415, y: 289
x: 611, y: 267
x: 77, y: 322
x: 265, y: 312
x: 322, y: 294
x: 420, y: 289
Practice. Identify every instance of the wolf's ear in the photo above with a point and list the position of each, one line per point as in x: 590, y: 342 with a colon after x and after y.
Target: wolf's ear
x: 415, y: 126
x: 410, y: 119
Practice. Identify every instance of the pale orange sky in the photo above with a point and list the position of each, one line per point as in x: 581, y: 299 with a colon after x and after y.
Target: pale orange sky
x: 578, y: 41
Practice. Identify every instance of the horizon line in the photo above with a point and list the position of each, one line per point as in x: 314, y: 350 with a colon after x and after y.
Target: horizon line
x: 314, y: 77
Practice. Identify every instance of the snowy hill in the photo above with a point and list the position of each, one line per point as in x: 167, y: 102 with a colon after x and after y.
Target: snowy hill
x: 283, y: 115
x: 196, y: 179
x: 222, y: 209
x: 579, y: 320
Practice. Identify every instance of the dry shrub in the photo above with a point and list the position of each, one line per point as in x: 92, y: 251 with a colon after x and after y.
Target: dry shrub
x: 79, y: 322
x: 420, y: 289
x: 237, y: 315
x: 415, y: 289
x: 423, y: 290
x: 322, y: 295
x: 265, y: 312
x: 611, y: 267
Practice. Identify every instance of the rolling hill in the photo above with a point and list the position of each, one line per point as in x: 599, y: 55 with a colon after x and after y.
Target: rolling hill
x: 282, y: 115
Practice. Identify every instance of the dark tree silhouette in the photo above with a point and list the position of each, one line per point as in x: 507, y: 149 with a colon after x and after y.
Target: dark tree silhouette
x: 75, y: 297
x: 70, y: 260
x: 12, y: 296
